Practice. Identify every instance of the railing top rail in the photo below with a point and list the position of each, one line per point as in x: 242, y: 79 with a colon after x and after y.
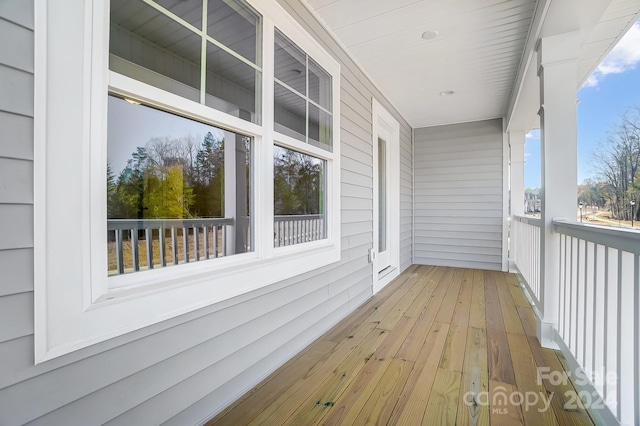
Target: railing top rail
x: 113, y: 224
x: 622, y: 239
x: 294, y: 217
x: 533, y: 221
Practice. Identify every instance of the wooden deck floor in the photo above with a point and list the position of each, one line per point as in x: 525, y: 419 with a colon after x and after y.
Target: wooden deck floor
x: 413, y: 353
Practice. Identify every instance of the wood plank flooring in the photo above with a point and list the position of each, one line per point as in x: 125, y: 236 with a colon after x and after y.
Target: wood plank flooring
x: 438, y: 346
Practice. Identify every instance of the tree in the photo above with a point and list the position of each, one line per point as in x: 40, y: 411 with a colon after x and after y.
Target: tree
x: 297, y: 183
x: 618, y: 164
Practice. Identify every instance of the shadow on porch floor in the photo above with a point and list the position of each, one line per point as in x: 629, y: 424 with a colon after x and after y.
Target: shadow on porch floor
x: 437, y: 346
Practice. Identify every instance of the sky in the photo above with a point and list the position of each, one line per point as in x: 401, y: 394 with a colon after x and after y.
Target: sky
x: 613, y: 86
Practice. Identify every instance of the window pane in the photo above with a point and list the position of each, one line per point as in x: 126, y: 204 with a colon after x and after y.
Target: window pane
x: 319, y: 128
x: 177, y: 190
x: 290, y: 64
x: 234, y: 25
x: 290, y: 113
x: 231, y: 85
x: 382, y: 195
x: 299, y: 197
x: 154, y: 49
x: 189, y: 10
x: 319, y: 85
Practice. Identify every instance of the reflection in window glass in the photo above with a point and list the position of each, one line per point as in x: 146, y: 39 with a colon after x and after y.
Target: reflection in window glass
x: 167, y: 202
x: 160, y: 43
x: 169, y: 59
x: 290, y: 60
x: 231, y: 84
x: 319, y: 128
x: 319, y: 85
x: 234, y: 25
x: 303, y: 102
x: 299, y: 197
x: 189, y: 10
x: 289, y: 113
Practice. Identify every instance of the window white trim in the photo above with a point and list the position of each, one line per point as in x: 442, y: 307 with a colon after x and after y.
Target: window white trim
x: 74, y: 304
x: 385, y: 124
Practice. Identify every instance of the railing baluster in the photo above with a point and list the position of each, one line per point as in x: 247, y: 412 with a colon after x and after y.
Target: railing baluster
x: 619, y: 338
x: 215, y: 241
x: 196, y: 243
x: 205, y: 236
x: 134, y: 249
x: 119, y: 251
x: 148, y: 235
x: 163, y: 248
x: 174, y: 245
x: 636, y: 338
x: 224, y: 241
x: 185, y: 244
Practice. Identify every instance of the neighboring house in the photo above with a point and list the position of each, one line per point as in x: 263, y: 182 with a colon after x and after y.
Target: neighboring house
x: 532, y: 203
x: 397, y: 123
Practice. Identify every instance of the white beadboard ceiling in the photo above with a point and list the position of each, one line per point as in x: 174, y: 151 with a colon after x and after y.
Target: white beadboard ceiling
x: 477, y: 53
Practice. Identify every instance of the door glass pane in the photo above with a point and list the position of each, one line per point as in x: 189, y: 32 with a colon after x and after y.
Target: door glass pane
x: 382, y: 195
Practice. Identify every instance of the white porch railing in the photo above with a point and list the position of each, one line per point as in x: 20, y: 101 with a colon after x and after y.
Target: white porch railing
x: 599, y: 311
x: 525, y: 245
x: 166, y: 242
x: 598, y: 323
x: 294, y: 229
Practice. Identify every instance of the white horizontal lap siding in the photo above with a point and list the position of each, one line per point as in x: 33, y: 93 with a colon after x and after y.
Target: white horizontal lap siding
x: 183, y: 370
x: 458, y: 195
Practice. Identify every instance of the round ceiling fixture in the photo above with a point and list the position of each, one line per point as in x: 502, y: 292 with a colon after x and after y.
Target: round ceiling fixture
x: 447, y: 93
x: 430, y: 35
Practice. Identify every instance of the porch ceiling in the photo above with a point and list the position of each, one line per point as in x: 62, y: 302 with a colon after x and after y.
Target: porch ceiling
x: 481, y: 52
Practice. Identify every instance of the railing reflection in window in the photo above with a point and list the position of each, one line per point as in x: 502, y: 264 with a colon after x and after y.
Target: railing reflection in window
x: 178, y: 190
x: 294, y: 229
x: 299, y: 197
x: 135, y: 245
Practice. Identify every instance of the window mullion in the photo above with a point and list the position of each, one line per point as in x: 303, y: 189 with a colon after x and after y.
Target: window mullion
x: 264, y: 148
x: 203, y: 53
x: 306, y: 120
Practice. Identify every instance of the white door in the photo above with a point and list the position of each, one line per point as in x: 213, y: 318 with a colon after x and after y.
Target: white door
x: 386, y: 197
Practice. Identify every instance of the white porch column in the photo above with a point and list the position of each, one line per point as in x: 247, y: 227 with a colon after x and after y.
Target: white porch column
x: 557, y: 60
x: 516, y: 188
x: 516, y: 144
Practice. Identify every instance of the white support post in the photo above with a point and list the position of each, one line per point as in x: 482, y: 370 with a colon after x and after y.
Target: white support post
x: 557, y: 60
x: 516, y: 144
x: 516, y: 185
x: 230, y: 190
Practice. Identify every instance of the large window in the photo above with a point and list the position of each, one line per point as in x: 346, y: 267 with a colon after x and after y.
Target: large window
x: 174, y: 141
x: 178, y: 190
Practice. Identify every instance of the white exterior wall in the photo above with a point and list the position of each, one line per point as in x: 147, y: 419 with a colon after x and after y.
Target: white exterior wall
x: 459, y: 195
x: 185, y: 369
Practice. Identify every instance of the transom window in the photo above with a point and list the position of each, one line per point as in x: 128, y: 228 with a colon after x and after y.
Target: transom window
x: 206, y: 51
x: 302, y: 98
